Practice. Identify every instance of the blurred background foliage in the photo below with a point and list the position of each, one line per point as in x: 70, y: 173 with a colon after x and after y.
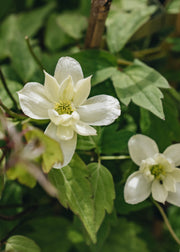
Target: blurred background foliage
x: 146, y: 30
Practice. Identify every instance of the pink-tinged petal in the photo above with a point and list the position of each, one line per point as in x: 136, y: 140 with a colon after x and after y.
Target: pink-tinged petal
x: 159, y: 193
x: 66, y: 89
x: 137, y: 188
x: 82, y: 90
x: 65, y: 132
x: 84, y: 129
x: 33, y: 101
x: 68, y: 66
x: 59, y: 119
x: 141, y: 147
x: 173, y: 153
x: 174, y: 197
x: 99, y: 110
x: 68, y: 147
x: 51, y: 87
x: 169, y: 183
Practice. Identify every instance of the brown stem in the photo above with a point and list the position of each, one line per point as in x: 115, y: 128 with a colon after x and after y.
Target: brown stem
x: 16, y: 216
x: 98, y: 15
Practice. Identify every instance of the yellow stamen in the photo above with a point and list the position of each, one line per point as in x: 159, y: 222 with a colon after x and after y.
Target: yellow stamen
x: 63, y: 107
x: 157, y: 171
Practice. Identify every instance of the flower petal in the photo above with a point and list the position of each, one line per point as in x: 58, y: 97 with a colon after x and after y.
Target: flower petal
x: 99, y: 110
x: 82, y: 90
x: 51, y: 87
x: 141, y: 147
x: 66, y: 89
x: 176, y: 174
x: 67, y: 147
x: 84, y: 129
x: 68, y: 66
x: 159, y: 193
x: 174, y: 197
x: 137, y: 188
x: 169, y: 183
x: 65, y: 132
x: 173, y: 153
x: 33, y: 101
x: 59, y: 119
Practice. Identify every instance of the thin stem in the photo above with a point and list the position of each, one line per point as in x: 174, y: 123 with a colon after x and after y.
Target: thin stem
x: 7, y: 89
x: 167, y: 223
x: 33, y: 54
x: 11, y: 113
x: 114, y: 157
x: 124, y: 62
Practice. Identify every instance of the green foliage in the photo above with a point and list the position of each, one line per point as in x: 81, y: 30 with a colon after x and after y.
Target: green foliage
x: 141, y: 84
x: 18, y: 243
x: 75, y: 192
x: 20, y: 172
x: 119, y: 31
x: 173, y: 7
x: 103, y: 191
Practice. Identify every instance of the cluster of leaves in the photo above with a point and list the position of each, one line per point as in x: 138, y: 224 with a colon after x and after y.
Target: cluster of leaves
x: 85, y: 208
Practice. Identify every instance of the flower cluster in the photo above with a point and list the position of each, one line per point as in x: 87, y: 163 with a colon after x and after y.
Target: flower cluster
x: 158, y: 173
x: 64, y: 100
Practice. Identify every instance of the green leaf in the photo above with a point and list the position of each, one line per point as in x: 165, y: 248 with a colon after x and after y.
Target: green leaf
x: 2, y: 183
x: 103, y: 191
x: 93, y: 60
x: 55, y: 37
x: 173, y: 7
x: 121, y: 26
x: 164, y: 132
x: 129, y: 5
x: 114, y: 141
x: 72, y: 24
x: 75, y: 192
x: 19, y: 243
x: 20, y: 173
x: 102, y: 75
x: 124, y: 237
x: 52, y: 152
x: 30, y: 22
x: 140, y: 83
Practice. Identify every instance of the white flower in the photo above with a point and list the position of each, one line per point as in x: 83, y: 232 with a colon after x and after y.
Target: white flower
x: 63, y: 100
x: 157, y: 173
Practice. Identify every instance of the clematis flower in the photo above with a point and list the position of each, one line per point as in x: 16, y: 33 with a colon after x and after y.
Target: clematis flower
x: 63, y: 100
x: 158, y: 173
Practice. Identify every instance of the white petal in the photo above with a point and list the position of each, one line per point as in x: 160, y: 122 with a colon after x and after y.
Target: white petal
x: 174, y: 197
x: 176, y: 174
x: 169, y: 183
x: 84, y: 129
x: 137, y: 188
x: 33, y: 101
x: 159, y: 193
x: 99, y: 110
x: 141, y: 147
x: 66, y: 89
x: 52, y: 87
x: 82, y: 90
x: 59, y: 119
x: 65, y: 132
x: 68, y: 66
x: 173, y: 153
x: 67, y: 147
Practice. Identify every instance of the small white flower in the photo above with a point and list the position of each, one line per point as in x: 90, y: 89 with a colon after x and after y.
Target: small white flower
x: 63, y: 100
x: 157, y: 173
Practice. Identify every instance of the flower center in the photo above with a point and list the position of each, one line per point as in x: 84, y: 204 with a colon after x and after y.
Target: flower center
x: 157, y: 171
x: 63, y: 107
